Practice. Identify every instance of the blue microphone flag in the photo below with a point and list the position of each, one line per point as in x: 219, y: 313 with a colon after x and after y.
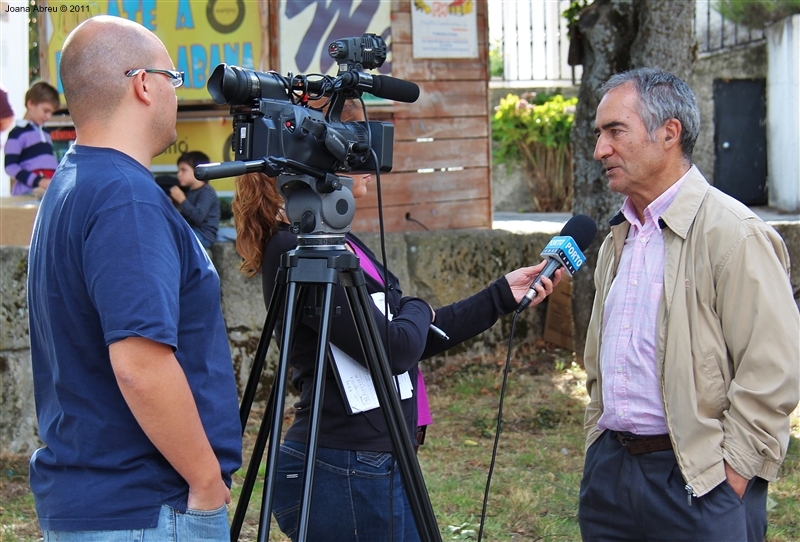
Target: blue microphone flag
x: 564, y: 249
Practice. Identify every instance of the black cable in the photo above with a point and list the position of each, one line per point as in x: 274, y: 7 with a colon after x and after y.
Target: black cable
x: 391, y: 499
x: 369, y: 143
x: 410, y: 219
x: 499, y: 424
x: 384, y: 261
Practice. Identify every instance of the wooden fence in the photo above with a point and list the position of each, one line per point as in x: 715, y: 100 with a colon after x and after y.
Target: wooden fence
x: 441, y: 175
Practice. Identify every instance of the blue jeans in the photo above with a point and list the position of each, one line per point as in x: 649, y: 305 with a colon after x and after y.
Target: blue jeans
x: 352, y: 495
x: 173, y: 526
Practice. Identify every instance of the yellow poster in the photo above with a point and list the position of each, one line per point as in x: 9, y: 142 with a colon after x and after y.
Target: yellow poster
x: 198, y: 35
x: 209, y: 135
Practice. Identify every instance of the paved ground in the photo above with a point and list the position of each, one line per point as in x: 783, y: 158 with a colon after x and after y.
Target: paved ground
x: 552, y: 222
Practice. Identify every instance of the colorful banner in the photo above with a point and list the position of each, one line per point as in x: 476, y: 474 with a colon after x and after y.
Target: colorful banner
x: 308, y: 27
x: 198, y: 35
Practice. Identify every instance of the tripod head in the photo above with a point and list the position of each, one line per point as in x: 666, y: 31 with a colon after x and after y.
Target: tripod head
x: 317, y: 207
x: 317, y: 202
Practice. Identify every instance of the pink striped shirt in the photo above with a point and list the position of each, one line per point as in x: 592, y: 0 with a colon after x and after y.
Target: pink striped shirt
x: 631, y: 390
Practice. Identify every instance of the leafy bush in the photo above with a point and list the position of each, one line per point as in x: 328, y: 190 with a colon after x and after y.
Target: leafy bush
x: 538, y: 135
x: 496, y: 67
x: 756, y: 13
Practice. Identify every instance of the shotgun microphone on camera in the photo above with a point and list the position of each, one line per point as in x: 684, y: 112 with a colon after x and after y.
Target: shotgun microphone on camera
x: 564, y: 250
x: 381, y: 86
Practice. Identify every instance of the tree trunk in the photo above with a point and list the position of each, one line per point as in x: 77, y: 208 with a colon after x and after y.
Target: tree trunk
x: 617, y: 35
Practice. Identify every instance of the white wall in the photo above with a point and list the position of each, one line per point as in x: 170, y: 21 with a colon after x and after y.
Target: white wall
x: 13, y: 68
x: 783, y: 114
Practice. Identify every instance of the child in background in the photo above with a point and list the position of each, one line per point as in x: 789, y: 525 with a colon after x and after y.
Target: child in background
x: 200, y: 204
x: 6, y: 111
x: 29, y: 156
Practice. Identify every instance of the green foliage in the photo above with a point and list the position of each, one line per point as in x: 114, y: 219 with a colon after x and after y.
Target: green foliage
x: 756, y: 13
x: 34, y: 70
x: 518, y: 123
x: 538, y: 136
x: 225, y: 212
x: 572, y: 13
x: 496, y: 67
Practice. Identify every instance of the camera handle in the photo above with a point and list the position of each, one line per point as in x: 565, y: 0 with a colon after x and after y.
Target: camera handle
x: 323, y: 268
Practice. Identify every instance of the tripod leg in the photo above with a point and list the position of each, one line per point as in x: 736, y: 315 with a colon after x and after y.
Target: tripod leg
x: 314, y: 415
x: 248, y: 396
x: 325, y: 269
x: 279, y: 388
x: 252, y: 469
x: 314, y: 419
x: 278, y: 297
x: 276, y: 300
x: 377, y: 361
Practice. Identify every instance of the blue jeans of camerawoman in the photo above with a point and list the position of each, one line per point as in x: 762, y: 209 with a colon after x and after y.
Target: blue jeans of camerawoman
x: 356, y: 496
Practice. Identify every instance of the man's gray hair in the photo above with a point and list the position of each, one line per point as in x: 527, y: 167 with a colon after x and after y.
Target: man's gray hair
x: 662, y: 96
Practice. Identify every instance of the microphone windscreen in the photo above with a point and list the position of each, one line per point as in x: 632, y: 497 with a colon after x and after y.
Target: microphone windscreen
x: 395, y: 89
x: 582, y: 229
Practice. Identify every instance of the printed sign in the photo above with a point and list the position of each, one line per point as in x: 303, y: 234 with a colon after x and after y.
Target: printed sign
x: 444, y: 29
x: 198, y: 35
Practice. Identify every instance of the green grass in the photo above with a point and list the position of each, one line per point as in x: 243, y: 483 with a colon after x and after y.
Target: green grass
x: 533, y: 492
x: 534, y: 487
x: 17, y: 512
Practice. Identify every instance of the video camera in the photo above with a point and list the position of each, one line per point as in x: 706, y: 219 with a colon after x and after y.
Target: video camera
x: 276, y: 130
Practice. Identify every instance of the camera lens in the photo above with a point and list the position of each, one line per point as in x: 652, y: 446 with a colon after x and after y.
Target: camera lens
x: 231, y: 84
x: 234, y: 85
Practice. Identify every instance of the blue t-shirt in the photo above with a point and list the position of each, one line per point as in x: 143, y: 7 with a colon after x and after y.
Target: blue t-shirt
x: 112, y: 258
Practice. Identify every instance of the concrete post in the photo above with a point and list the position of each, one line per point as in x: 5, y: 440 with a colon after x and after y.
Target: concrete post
x: 783, y: 114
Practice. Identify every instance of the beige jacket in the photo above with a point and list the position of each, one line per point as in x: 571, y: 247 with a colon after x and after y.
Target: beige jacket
x: 728, y: 346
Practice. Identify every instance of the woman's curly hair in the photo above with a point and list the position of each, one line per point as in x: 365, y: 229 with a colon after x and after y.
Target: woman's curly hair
x: 256, y: 208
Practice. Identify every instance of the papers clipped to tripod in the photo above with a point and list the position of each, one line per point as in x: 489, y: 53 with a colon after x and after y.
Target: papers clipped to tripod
x: 355, y: 380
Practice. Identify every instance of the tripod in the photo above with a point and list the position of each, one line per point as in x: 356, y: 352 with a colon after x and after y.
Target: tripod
x: 322, y: 262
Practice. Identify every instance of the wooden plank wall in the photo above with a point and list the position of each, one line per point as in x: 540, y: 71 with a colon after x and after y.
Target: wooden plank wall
x: 452, y: 116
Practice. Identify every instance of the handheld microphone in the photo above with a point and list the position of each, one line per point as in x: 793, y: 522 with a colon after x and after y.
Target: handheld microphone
x: 564, y: 250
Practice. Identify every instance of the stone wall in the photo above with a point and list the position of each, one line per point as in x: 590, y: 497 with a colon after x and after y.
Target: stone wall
x: 442, y: 267
x: 17, y: 415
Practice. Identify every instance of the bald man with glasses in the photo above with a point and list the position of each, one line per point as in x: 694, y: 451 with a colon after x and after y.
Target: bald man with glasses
x: 135, y: 392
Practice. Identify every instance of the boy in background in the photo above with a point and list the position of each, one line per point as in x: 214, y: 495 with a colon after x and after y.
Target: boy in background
x: 200, y: 204
x: 29, y: 156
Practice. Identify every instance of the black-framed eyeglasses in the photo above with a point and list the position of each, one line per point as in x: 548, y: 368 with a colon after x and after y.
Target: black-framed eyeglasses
x: 175, y: 77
